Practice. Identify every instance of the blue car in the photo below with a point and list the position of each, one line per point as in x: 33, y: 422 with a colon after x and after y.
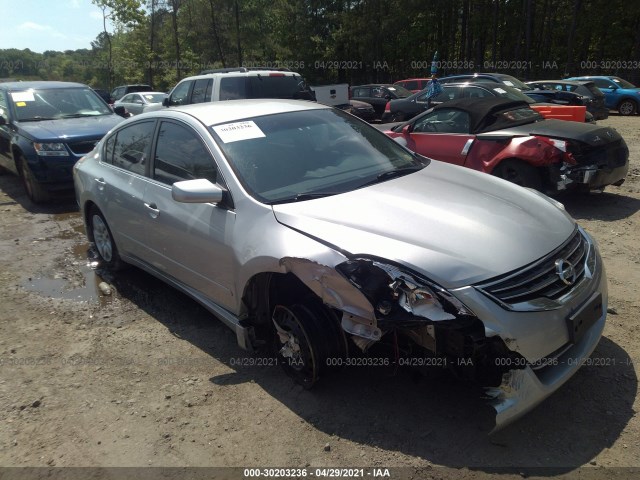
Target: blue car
x: 619, y: 94
x: 45, y: 128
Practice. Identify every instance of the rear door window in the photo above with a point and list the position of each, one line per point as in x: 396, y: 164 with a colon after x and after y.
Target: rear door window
x: 202, y: 90
x: 129, y: 148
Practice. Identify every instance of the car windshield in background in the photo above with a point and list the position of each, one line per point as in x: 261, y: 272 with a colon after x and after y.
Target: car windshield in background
x: 622, y: 83
x: 55, y: 103
x: 154, y: 97
x: 511, y: 94
x: 400, y: 91
x: 297, y: 156
x: 514, y: 82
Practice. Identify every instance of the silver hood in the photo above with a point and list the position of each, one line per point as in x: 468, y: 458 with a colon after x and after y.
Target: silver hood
x: 452, y: 224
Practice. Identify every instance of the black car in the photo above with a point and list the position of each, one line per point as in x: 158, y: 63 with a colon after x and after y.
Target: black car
x: 378, y: 95
x: 508, y: 80
x: 554, y: 96
x: 45, y: 127
x: 403, y: 109
x: 592, y: 95
x: 119, y: 92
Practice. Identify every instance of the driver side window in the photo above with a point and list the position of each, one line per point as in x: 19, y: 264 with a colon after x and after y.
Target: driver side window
x: 443, y: 121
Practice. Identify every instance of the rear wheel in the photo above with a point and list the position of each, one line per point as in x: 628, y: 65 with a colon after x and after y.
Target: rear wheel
x: 520, y: 173
x: 35, y: 191
x: 308, y: 340
x: 103, y: 240
x: 627, y: 107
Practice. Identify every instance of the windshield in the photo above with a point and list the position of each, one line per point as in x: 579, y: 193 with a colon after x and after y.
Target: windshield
x: 622, y: 83
x: 400, y: 91
x: 55, y: 103
x: 514, y: 82
x: 511, y: 93
x: 154, y: 97
x: 295, y: 156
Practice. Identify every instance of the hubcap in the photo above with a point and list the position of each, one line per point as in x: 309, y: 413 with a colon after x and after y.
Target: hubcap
x: 626, y: 108
x: 102, y: 238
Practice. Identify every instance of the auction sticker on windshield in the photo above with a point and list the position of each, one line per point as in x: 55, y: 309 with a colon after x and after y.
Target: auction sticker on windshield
x: 22, y: 96
x: 233, y: 132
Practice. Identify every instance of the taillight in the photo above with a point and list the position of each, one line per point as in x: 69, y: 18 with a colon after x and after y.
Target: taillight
x: 387, y: 107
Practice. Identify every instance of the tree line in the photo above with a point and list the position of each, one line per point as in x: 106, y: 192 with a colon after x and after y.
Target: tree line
x: 354, y: 41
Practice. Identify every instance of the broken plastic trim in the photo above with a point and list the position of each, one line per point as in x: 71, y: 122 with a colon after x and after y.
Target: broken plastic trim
x: 387, y: 285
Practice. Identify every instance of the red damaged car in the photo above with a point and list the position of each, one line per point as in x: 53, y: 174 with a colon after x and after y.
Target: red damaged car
x: 508, y: 139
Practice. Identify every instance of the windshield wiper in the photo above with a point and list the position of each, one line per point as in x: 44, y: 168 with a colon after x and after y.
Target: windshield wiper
x: 300, y: 197
x: 36, y: 119
x: 79, y: 115
x: 400, y: 172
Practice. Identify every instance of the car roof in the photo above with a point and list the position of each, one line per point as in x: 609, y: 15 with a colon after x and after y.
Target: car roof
x: 212, y: 113
x: 561, y: 82
x: 479, y: 108
x: 239, y: 73
x: 410, y: 79
x: 40, y: 84
x: 375, y: 85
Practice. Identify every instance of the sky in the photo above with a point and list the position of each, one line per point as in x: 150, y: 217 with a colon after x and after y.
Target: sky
x: 41, y: 25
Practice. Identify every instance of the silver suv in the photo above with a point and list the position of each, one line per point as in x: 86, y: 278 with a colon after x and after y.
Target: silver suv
x: 239, y: 83
x: 308, y: 231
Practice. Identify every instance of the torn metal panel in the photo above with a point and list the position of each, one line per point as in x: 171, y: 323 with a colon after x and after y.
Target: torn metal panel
x: 331, y: 287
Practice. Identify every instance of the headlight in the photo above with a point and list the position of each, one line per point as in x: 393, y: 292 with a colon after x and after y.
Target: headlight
x: 559, y: 144
x: 390, y: 288
x: 50, y: 149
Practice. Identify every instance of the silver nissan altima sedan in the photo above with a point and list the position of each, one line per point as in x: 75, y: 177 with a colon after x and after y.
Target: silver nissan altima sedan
x: 310, y: 233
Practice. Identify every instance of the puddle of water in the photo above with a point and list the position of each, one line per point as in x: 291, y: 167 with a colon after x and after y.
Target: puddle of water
x: 83, y: 268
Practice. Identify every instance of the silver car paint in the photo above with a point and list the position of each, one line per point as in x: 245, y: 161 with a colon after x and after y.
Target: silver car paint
x: 457, y: 227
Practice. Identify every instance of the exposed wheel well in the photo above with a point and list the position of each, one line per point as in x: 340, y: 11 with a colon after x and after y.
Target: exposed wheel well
x: 266, y: 290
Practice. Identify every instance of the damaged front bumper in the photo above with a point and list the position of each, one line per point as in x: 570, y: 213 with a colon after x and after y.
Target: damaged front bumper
x: 522, y: 390
x: 521, y: 353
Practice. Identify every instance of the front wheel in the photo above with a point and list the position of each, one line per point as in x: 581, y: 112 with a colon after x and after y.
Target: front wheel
x: 520, y: 173
x: 627, y: 107
x: 103, y: 240
x: 35, y: 191
x: 308, y: 340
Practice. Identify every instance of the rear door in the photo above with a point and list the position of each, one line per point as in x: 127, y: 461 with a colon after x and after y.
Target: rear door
x: 123, y: 183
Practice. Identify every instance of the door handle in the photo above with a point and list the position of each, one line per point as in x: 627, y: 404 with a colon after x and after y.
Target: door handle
x: 153, y: 209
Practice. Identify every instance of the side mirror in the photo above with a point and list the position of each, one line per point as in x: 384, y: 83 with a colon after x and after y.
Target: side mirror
x: 3, y: 118
x: 165, y: 102
x: 200, y: 190
x: 407, y: 129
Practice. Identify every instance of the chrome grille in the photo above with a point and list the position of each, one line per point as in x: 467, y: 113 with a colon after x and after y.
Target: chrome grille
x: 539, y: 279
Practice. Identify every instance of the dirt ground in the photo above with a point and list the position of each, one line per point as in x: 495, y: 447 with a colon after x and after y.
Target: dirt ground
x: 146, y: 377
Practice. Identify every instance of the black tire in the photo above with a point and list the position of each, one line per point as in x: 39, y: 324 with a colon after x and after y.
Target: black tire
x: 104, y: 242
x: 627, y: 107
x: 520, y: 173
x: 307, y: 339
x: 35, y: 191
